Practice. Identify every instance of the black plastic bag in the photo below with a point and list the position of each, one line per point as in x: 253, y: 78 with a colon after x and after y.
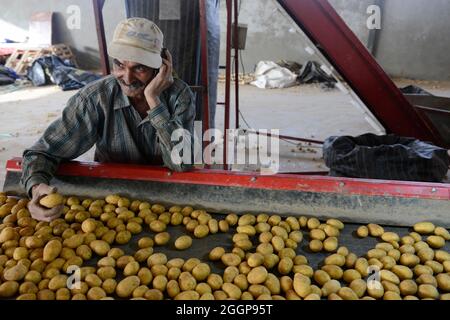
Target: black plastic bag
x: 7, y: 76
x: 415, y: 90
x: 385, y: 157
x: 52, y: 69
x: 311, y: 72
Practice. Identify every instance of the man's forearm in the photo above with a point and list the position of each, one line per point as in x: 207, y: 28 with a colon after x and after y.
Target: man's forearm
x: 37, y: 168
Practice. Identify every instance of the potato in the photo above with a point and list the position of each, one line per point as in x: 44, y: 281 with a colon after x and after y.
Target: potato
x: 285, y: 266
x: 34, y: 242
x: 436, y: 242
x: 330, y: 244
x: 157, y: 226
x: 302, y: 285
x: 257, y: 275
x: 403, y: 272
x: 335, y: 259
x: 215, y: 281
x: 106, y: 273
x: 145, y: 275
x: 187, y: 282
x: 173, y: 289
x: 347, y: 294
x: 134, y: 228
x: 232, y: 291
x: 331, y: 287
x: 442, y: 232
x: 270, y: 260
x: 20, y: 253
x: 52, y: 250
x: 247, y: 229
x: 216, y: 254
x: 126, y: 287
x: 96, y: 293
x: 441, y: 256
x: 334, y: 271
x: 8, y: 289
x: 297, y: 236
x: 350, y: 275
x: 162, y: 238
x: 230, y: 274
x: 312, y: 223
x: 160, y: 283
x: 304, y: 270
x: 408, y: 287
x: 46, y: 294
x: 123, y: 237
x: 15, y: 273
x: 390, y: 237
x: 188, y: 295
x: 230, y: 259
x: 183, y: 243
x: 255, y: 260
x: 190, y: 264
x: 425, y: 255
x: 201, y: 271
x: 443, y: 281
x: 223, y: 226
x: 58, y: 282
x: 247, y: 219
x: 389, y: 276
x: 203, y: 288
x: 427, y: 290
x: 156, y: 258
x: 100, y: 247
x: 424, y: 227
x: 409, y: 260
x: 375, y: 230
x: 74, y: 241
x: 52, y: 200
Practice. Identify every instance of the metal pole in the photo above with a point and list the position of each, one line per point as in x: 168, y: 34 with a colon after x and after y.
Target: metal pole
x: 227, y: 85
x: 236, y: 60
x: 98, y: 6
x: 204, y: 75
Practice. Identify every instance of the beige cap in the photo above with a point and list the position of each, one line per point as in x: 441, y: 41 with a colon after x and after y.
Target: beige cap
x: 138, y: 40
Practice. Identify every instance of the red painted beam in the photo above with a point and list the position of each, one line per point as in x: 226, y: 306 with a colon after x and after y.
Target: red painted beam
x: 286, y: 182
x: 357, y: 66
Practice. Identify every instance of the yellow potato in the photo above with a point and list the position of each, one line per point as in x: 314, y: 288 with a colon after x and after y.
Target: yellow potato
x: 232, y: 291
x: 215, y: 281
x: 330, y: 244
x: 201, y: 271
x: 390, y: 237
x: 331, y: 287
x: 375, y: 230
x: 285, y: 266
x: 230, y: 259
x: 424, y: 227
x: 126, y: 287
x: 302, y: 285
x: 8, y: 289
x: 188, y: 295
x: 123, y: 237
x: 100, y: 247
x: 334, y: 271
x: 52, y: 250
x: 216, y: 254
x: 257, y: 275
x: 427, y: 291
x: 187, y: 282
x: 52, y: 200
x: 162, y: 238
x: 436, y: 242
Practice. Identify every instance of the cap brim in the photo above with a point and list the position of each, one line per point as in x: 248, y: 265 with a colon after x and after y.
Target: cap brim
x: 137, y: 55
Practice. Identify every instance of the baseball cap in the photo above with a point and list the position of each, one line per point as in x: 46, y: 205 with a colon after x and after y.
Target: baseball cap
x: 138, y: 40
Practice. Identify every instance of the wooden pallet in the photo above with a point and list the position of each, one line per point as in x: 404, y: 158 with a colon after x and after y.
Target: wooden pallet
x: 22, y: 59
x: 64, y: 52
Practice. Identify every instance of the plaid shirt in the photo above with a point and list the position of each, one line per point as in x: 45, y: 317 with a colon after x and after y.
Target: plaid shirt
x: 101, y: 114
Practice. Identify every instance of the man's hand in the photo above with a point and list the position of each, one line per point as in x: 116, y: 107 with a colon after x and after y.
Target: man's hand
x: 161, y: 82
x: 37, y: 211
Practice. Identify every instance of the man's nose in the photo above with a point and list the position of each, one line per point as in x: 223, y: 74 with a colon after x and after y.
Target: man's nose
x: 128, y: 77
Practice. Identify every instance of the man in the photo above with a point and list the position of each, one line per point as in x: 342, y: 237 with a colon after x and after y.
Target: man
x: 130, y: 116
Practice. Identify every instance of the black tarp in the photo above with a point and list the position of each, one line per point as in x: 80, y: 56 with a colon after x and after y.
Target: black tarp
x: 385, y: 157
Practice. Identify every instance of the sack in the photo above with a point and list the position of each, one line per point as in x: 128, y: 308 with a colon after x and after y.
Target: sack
x: 385, y: 157
x: 270, y: 75
x: 51, y: 69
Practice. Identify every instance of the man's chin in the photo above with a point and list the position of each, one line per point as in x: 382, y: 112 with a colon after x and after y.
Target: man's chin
x: 132, y: 93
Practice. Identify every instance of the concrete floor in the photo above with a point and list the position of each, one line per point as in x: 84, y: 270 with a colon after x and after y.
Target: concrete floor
x: 303, y: 111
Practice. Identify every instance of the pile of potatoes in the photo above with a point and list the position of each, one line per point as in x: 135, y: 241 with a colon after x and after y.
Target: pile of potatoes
x: 38, y: 259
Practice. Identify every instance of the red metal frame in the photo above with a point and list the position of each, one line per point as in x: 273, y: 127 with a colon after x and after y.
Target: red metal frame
x: 434, y: 191
x: 204, y: 62
x: 352, y: 60
x: 98, y: 7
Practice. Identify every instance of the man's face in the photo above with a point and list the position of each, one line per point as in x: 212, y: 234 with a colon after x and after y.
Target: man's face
x: 133, y: 77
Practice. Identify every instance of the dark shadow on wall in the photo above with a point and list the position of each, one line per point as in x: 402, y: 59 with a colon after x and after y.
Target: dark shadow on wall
x: 87, y: 57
